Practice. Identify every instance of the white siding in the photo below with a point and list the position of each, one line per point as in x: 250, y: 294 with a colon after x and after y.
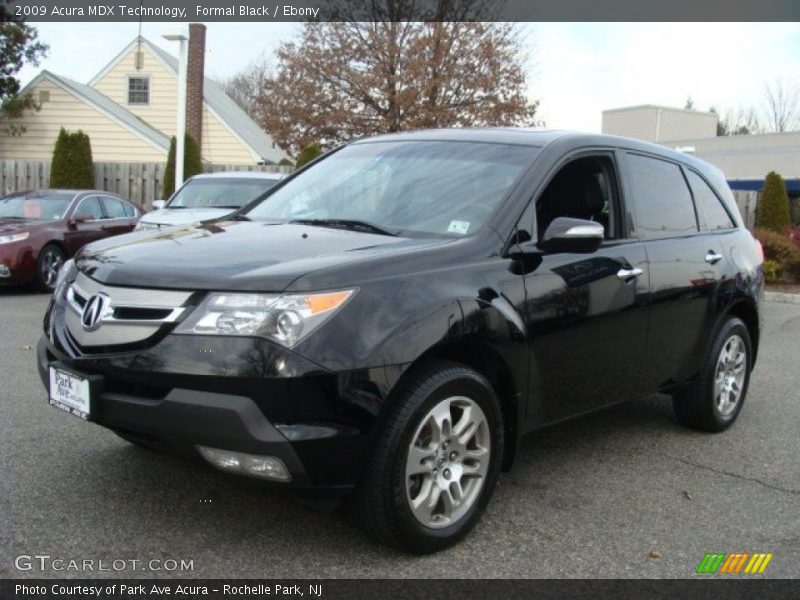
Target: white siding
x: 110, y: 140
x: 219, y: 145
x: 161, y: 112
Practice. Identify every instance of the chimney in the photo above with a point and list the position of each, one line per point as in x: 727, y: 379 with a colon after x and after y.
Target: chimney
x: 194, y: 81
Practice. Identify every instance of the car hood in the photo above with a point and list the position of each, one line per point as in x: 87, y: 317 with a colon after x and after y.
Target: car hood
x: 234, y: 255
x: 184, y: 216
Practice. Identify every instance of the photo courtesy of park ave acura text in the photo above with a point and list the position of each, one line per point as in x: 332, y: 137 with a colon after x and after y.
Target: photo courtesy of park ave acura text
x: 370, y: 298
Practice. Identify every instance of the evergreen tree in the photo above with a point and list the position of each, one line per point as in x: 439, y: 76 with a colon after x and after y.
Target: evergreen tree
x: 192, y: 164
x: 773, y: 206
x: 72, y: 166
x: 307, y: 154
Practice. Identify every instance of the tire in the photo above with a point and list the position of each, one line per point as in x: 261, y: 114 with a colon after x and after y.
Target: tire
x: 714, y: 399
x: 382, y: 504
x: 50, y: 260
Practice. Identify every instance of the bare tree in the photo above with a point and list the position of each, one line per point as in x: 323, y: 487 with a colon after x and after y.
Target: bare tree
x: 387, y: 72
x: 738, y: 121
x: 245, y: 87
x: 781, y: 106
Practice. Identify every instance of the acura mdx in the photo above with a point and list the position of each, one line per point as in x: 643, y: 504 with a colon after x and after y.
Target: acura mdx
x: 393, y: 317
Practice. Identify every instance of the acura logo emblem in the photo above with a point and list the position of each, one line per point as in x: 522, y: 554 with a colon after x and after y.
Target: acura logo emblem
x: 97, y: 307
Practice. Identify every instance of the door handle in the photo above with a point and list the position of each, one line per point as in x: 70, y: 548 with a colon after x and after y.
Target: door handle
x: 628, y: 274
x: 713, y: 258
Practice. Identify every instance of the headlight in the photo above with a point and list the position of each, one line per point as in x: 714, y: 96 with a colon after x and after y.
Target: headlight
x: 141, y: 226
x: 14, y: 237
x: 283, y: 319
x: 65, y: 275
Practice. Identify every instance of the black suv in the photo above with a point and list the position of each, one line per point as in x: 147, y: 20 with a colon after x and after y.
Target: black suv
x: 393, y: 317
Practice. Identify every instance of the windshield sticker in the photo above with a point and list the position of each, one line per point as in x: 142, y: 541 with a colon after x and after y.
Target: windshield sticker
x: 460, y: 227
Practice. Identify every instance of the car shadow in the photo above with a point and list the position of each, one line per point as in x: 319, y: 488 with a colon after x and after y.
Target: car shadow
x: 164, y: 495
x: 19, y: 290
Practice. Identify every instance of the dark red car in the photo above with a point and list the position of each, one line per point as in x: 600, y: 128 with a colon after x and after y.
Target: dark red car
x: 40, y: 230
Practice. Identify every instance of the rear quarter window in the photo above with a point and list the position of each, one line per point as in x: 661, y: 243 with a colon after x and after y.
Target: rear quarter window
x: 710, y: 211
x: 663, y: 203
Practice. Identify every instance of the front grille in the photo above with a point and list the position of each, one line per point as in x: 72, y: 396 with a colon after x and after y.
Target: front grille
x: 130, y: 315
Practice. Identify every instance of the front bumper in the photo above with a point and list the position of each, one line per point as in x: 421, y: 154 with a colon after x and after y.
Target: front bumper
x: 17, y: 264
x: 321, y: 449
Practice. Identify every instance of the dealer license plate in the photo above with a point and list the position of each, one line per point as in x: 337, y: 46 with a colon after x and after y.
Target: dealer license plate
x: 70, y: 393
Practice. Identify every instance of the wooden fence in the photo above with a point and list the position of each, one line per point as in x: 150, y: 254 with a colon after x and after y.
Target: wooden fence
x: 139, y: 182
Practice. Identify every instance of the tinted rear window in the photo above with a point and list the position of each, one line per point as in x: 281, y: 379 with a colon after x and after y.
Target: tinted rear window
x: 710, y: 211
x: 662, y: 200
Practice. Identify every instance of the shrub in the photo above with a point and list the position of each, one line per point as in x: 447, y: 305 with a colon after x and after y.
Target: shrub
x: 307, y: 154
x: 781, y: 249
x: 192, y: 164
x: 72, y: 165
x: 794, y: 234
x: 285, y: 162
x: 772, y: 271
x: 773, y: 206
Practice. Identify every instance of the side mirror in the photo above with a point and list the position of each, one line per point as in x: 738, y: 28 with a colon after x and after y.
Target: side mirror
x: 159, y: 204
x: 572, y: 235
x: 80, y: 219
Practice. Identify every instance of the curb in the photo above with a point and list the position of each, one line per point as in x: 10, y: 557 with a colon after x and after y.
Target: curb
x: 782, y: 297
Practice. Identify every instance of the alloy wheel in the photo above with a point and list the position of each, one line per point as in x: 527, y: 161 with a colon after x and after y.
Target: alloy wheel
x: 730, y: 375
x: 51, y: 264
x: 447, y: 462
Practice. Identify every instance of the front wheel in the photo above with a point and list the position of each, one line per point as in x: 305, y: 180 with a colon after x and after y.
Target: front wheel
x: 713, y: 401
x: 436, y: 462
x: 49, y: 263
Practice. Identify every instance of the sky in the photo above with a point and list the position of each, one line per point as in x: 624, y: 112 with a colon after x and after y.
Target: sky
x: 575, y: 70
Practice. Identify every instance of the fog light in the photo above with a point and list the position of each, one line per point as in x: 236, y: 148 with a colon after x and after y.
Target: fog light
x: 266, y: 467
x: 5, y: 272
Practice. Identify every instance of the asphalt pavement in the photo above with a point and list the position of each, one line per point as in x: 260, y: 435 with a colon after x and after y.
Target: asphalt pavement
x: 623, y: 493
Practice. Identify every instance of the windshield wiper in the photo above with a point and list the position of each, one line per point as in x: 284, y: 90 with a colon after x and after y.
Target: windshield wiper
x: 15, y: 218
x: 351, y: 224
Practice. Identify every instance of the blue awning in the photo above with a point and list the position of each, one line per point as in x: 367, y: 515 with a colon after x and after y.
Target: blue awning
x: 756, y: 185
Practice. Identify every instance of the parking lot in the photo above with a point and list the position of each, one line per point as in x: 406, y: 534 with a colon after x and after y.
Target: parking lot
x: 623, y: 493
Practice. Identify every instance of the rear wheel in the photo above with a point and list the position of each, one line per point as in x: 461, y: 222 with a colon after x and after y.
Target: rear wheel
x: 49, y: 263
x: 436, y: 463
x: 713, y: 401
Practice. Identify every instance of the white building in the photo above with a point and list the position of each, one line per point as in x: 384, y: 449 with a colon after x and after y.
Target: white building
x: 745, y: 159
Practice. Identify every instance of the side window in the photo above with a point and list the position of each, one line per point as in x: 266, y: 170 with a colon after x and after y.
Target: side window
x: 130, y: 211
x: 90, y: 207
x: 711, y: 212
x: 663, y: 202
x: 585, y: 188
x: 114, y: 207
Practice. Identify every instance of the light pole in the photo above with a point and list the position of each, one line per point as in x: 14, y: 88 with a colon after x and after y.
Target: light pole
x: 180, y: 130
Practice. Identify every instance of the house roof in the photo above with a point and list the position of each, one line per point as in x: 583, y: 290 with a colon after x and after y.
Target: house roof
x: 239, y: 122
x: 105, y: 105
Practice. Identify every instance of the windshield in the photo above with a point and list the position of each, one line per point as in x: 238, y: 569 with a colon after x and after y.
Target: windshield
x: 448, y: 188
x: 44, y: 207
x: 220, y: 192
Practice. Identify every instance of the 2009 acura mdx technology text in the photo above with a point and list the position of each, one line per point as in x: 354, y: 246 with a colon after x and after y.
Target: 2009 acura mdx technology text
x: 394, y: 316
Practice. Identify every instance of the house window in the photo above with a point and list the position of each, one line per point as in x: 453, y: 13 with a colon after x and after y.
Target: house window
x: 138, y: 90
